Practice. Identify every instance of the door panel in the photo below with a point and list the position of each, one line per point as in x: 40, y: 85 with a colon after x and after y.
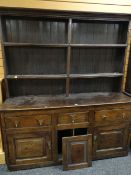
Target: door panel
x: 110, y: 141
x: 29, y: 148
x: 77, y: 152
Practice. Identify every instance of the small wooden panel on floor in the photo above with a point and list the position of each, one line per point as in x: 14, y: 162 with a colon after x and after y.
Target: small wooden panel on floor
x: 77, y: 152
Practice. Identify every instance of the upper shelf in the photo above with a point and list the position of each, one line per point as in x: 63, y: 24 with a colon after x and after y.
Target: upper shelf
x: 12, y: 44
x: 96, y: 75
x: 53, y: 30
x: 99, y: 45
x: 59, y: 76
x: 98, y: 32
x: 35, y: 30
x: 53, y: 76
x: 33, y: 44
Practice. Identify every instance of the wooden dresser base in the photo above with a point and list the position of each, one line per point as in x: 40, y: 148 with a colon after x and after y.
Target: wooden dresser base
x: 32, y: 136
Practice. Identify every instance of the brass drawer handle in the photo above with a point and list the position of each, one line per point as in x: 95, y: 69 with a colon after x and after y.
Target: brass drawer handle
x: 123, y: 115
x: 40, y: 121
x: 16, y: 123
x: 104, y: 116
x: 49, y: 145
x: 72, y: 115
x: 73, y: 121
x: 95, y: 138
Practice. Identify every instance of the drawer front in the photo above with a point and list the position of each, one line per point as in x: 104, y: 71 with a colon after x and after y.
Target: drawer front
x: 27, y: 121
x: 127, y: 114
x: 73, y: 118
x: 113, y: 115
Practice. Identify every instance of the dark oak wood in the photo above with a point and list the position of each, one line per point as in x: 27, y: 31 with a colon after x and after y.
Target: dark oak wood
x: 109, y: 60
x: 45, y: 31
x: 59, y: 76
x: 4, y: 60
x: 64, y: 73
x: 96, y: 75
x: 25, y: 121
x: 73, y: 120
x: 128, y: 80
x: 98, y: 45
x: 3, y: 90
x: 36, y: 61
x: 110, y: 133
x: 97, y: 32
x: 11, y: 44
x: 53, y: 45
x: 29, y: 147
x: 59, y: 101
x: 106, y: 116
x: 68, y: 57
x: 111, y: 141
x: 77, y: 152
x: 45, y: 86
x: 100, y: 84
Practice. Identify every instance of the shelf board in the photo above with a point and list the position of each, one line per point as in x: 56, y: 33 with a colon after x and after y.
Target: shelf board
x: 11, y: 44
x: 96, y: 75
x: 99, y: 45
x: 60, y: 76
x: 52, y: 76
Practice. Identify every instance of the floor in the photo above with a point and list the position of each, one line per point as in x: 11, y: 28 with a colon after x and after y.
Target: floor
x: 115, y: 166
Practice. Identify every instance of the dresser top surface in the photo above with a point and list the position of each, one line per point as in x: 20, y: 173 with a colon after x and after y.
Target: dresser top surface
x: 54, y: 102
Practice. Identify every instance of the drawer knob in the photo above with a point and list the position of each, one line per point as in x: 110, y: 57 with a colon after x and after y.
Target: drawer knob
x: 95, y: 138
x: 40, y: 121
x: 16, y: 123
x: 49, y: 145
x: 104, y: 116
x: 72, y: 115
x: 123, y: 115
x: 73, y: 121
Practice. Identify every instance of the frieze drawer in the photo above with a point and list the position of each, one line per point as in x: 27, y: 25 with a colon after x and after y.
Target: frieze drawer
x: 112, y: 115
x: 28, y: 121
x: 73, y: 119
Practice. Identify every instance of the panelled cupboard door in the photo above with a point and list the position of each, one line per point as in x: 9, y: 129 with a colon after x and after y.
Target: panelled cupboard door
x: 110, y: 141
x: 77, y: 152
x: 29, y: 148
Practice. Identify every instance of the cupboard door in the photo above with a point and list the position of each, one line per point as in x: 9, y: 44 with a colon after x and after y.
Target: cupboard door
x: 29, y: 148
x: 77, y: 152
x: 110, y: 141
